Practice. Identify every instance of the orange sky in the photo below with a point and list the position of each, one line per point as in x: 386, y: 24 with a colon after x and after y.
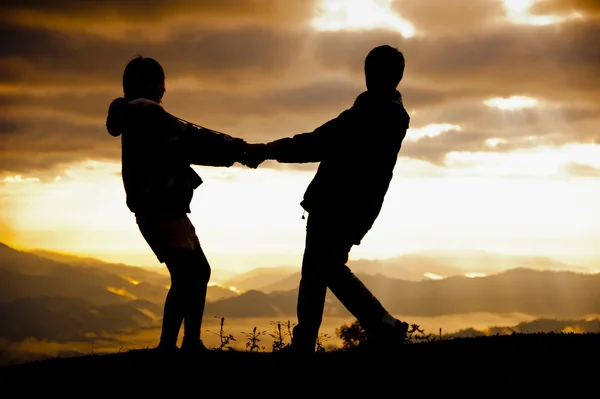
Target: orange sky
x: 503, y: 153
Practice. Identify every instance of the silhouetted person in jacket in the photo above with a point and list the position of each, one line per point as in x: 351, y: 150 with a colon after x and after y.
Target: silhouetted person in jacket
x: 157, y: 151
x: 357, y: 152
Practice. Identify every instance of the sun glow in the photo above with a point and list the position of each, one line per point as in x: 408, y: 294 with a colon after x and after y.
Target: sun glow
x: 335, y: 15
x: 435, y: 129
x: 231, y: 288
x: 121, y: 292
x: 518, y: 6
x: 518, y: 12
x: 19, y: 179
x: 495, y: 142
x: 475, y: 275
x: 132, y: 281
x: 512, y: 103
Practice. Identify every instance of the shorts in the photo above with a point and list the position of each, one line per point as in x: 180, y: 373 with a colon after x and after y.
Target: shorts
x: 168, y: 235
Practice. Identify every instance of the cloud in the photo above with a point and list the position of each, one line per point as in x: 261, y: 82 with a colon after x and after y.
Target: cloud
x: 46, y: 143
x: 69, y: 14
x: 582, y: 170
x: 556, y: 62
x: 254, y: 70
x: 587, y: 7
x: 450, y: 16
x: 39, y: 56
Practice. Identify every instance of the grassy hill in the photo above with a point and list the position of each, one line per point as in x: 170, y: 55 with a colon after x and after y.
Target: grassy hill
x: 547, y: 359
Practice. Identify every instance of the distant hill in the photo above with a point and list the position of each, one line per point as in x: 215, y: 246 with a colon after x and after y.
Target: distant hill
x: 560, y: 294
x: 575, y: 326
x: 59, y: 298
x: 26, y: 274
x: 69, y: 319
x: 412, y: 267
x: 260, y: 278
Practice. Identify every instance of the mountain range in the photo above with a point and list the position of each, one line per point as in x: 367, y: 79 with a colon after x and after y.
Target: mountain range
x: 46, y: 295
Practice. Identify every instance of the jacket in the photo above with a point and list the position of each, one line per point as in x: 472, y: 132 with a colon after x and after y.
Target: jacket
x: 157, y: 151
x: 357, y: 152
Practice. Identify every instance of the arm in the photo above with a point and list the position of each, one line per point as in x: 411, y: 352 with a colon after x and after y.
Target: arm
x: 315, y: 146
x: 197, y: 145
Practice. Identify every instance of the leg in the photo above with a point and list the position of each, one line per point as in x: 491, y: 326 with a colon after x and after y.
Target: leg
x: 356, y: 297
x: 173, y: 312
x: 197, y: 286
x: 173, y: 240
x: 311, y: 293
x: 345, y: 285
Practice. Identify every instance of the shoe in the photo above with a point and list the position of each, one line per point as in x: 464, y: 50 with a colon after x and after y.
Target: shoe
x: 167, y: 349
x: 387, y: 339
x: 194, y: 347
x: 295, y: 350
x: 400, y: 331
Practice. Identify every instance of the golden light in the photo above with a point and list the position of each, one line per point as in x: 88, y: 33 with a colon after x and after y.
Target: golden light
x: 518, y: 13
x: 433, y: 276
x: 432, y: 130
x: 132, y: 281
x: 512, y: 103
x: 231, y: 288
x: 474, y: 275
x: 121, y: 292
x: 335, y: 15
x: 494, y: 142
x: 517, y: 6
x: 19, y: 179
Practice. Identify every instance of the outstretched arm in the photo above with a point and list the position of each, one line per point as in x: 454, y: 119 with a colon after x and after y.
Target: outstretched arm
x: 200, y: 146
x: 314, y: 146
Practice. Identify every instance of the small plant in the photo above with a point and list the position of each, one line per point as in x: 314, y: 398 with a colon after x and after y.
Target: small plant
x: 223, y: 336
x: 252, y: 340
x: 320, y: 340
x: 280, y: 334
x: 351, y: 335
x: 417, y: 334
x: 354, y: 334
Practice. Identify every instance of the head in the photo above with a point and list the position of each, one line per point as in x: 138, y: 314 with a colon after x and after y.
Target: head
x: 384, y: 68
x: 144, y: 78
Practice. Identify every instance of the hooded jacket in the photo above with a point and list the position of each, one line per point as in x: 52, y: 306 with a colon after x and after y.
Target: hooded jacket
x: 357, y: 152
x: 157, y: 150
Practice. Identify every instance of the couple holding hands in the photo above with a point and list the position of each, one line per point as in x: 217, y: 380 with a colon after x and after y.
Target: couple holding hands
x: 357, y: 152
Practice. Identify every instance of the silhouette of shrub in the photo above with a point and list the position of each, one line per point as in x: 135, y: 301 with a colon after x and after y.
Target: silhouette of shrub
x: 252, y: 340
x: 224, y: 338
x: 351, y: 335
x: 280, y: 334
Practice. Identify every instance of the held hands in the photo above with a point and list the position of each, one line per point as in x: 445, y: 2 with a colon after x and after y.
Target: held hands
x: 254, y: 155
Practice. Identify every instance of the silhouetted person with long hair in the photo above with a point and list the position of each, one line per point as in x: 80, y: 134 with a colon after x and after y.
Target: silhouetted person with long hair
x: 157, y: 151
x: 357, y: 152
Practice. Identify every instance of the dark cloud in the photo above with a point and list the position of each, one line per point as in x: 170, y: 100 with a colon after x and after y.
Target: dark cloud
x: 272, y: 11
x: 434, y: 149
x: 587, y: 7
x: 258, y: 79
x: 72, y: 125
x: 548, y: 125
x: 42, y: 143
x: 556, y: 62
x: 40, y: 56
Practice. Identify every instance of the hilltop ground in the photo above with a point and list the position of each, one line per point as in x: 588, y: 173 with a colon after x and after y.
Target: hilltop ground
x: 508, y: 361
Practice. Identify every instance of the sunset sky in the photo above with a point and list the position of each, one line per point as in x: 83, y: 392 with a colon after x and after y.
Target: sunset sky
x: 503, y: 153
